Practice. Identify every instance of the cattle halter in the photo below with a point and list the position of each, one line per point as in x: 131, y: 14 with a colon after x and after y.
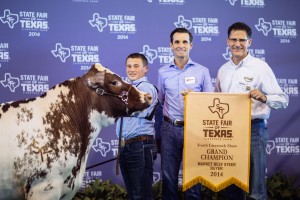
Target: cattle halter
x: 123, y: 97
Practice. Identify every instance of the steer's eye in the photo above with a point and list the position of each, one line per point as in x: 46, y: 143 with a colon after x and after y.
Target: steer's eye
x: 114, y: 83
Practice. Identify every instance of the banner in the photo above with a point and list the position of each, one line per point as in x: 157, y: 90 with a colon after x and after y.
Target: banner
x: 217, y: 140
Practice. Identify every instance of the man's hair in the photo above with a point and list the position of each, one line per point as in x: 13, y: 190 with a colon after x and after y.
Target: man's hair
x: 139, y: 55
x: 240, y: 26
x: 181, y: 30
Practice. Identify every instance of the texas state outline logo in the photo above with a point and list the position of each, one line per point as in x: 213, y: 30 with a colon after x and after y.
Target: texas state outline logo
x: 99, y: 22
x: 11, y: 82
x: 220, y: 108
x: 263, y: 26
x: 102, y: 147
x: 61, y: 52
x: 9, y: 18
x: 151, y: 54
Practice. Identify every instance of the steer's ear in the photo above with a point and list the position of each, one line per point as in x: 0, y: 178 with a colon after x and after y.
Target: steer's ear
x: 97, y: 79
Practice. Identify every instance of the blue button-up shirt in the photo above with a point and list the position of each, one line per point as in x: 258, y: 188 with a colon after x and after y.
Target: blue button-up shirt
x: 172, y: 81
x: 138, y: 125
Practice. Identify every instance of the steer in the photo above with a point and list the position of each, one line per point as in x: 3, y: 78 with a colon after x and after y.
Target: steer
x: 45, y: 141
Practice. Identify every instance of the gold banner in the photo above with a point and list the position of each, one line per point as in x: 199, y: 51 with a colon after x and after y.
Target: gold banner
x: 216, y: 140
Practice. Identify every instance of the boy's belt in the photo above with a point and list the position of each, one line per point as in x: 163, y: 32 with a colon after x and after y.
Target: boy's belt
x: 175, y: 122
x: 139, y: 138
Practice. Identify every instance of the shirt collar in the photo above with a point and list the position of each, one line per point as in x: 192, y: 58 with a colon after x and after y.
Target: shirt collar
x: 188, y: 64
x: 138, y: 80
x: 242, y: 61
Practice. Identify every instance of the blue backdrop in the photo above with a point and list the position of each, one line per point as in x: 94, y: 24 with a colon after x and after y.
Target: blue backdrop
x: 43, y: 43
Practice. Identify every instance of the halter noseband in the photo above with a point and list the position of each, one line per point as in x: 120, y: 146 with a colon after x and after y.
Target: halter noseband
x: 123, y: 97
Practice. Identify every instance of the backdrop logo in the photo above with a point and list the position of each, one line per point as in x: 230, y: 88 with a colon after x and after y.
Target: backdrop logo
x: 4, y: 53
x: 264, y: 27
x: 34, y: 84
x: 106, y: 147
x: 121, y: 25
x: 258, y: 53
x: 169, y: 2
x: 9, y: 18
x: 61, y: 52
x: 84, y: 55
x: 151, y: 54
x: 205, y: 27
x: 33, y: 22
x: 180, y: 177
x: 283, y: 29
x: 248, y: 3
x: 85, y: 1
x: 102, y: 147
x: 182, y: 22
x: 30, y: 83
x: 289, y: 86
x: 232, y: 2
x: 283, y: 146
x: 90, y: 176
x: 252, y: 3
x: 11, y: 82
x: 164, y: 54
x: 99, y: 22
x: 227, y: 55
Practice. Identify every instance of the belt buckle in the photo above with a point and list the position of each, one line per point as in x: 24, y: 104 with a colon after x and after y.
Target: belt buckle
x: 175, y: 122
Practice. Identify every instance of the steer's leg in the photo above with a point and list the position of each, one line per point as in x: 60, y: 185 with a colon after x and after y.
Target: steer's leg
x: 45, y: 189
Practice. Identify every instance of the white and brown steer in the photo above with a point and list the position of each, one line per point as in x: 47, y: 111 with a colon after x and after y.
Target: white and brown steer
x: 45, y: 141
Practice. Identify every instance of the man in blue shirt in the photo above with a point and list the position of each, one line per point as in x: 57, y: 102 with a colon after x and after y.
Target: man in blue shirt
x: 175, y: 80
x: 138, y: 150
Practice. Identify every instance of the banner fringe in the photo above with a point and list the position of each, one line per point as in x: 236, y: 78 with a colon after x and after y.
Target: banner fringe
x: 215, y: 188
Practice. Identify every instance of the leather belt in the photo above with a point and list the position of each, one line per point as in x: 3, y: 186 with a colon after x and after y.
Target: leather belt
x: 139, y: 138
x: 175, y: 122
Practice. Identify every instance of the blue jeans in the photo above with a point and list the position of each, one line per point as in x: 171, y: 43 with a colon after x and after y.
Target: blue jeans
x: 259, y: 138
x: 136, y: 164
x: 258, y: 189
x: 171, y: 158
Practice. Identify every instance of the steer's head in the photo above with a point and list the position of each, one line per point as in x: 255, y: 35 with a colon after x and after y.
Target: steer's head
x: 113, y: 95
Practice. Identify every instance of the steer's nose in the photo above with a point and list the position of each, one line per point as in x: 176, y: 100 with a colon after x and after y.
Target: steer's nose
x: 148, y: 98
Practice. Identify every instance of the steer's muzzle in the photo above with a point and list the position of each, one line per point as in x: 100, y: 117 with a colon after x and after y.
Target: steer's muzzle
x: 148, y: 99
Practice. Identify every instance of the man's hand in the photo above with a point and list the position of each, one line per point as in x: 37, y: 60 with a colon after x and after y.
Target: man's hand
x: 258, y: 95
x: 184, y: 92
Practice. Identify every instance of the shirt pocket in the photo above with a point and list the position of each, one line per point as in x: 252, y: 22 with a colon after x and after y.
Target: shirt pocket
x: 196, y: 86
x: 246, y: 83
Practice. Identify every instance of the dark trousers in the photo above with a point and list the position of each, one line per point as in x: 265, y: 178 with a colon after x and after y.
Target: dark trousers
x: 171, y: 158
x: 136, y: 164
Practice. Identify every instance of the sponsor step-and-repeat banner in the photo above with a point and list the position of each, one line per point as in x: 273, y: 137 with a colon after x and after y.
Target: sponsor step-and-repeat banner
x: 42, y: 44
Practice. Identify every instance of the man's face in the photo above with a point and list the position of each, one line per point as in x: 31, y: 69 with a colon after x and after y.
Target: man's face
x: 181, y: 45
x: 238, y: 42
x: 135, y: 69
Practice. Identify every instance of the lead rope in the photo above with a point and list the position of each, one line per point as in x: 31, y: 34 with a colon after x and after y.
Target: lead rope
x: 119, y: 146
